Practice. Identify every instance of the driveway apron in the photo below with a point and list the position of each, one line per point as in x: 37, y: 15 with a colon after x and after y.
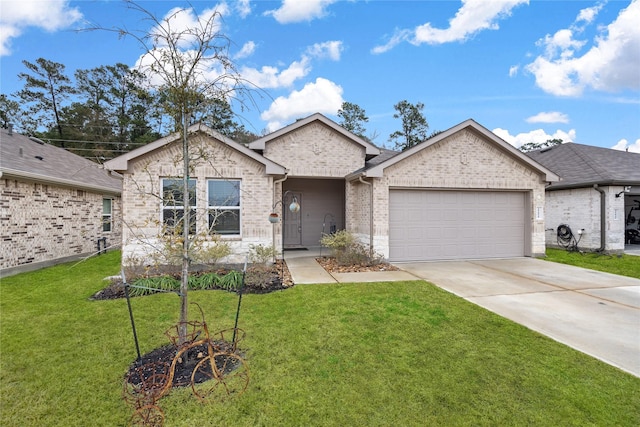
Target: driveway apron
x: 596, y: 313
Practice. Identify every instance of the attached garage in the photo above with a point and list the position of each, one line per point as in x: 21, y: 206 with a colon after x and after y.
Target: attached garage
x: 453, y: 224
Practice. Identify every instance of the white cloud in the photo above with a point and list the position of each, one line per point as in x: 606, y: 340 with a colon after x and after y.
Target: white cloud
x: 549, y: 117
x: 243, y: 7
x: 623, y: 145
x: 513, y: 70
x: 184, y: 22
x: 323, y: 96
x: 247, y: 50
x: 473, y: 17
x: 298, y: 11
x: 269, y: 77
x: 611, y: 64
x: 589, y: 14
x: 536, y: 136
x: 330, y: 49
x: 51, y: 15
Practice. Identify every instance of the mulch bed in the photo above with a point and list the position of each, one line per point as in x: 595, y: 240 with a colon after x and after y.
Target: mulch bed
x: 332, y: 266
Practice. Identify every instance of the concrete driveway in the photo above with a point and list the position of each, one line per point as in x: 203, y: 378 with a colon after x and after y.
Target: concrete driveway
x: 593, y: 312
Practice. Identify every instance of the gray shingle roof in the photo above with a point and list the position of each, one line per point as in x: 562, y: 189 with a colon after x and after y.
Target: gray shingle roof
x: 24, y: 157
x: 584, y: 165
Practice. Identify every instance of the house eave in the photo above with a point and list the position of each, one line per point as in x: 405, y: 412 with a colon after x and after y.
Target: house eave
x: 370, y: 149
x: 590, y: 184
x: 549, y: 176
x: 121, y: 163
x: 6, y: 173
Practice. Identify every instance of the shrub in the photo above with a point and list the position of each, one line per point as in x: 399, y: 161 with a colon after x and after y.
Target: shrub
x: 348, y: 250
x: 261, y: 254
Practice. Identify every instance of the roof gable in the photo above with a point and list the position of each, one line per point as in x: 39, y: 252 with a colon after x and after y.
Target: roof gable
x: 32, y: 159
x: 121, y: 163
x: 370, y: 149
x: 376, y: 171
x: 581, y: 165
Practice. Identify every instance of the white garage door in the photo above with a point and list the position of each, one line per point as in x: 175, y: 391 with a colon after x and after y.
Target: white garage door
x: 439, y: 225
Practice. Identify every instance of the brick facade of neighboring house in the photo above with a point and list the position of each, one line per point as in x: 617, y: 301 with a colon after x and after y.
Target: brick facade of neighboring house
x: 53, y: 205
x: 596, y: 197
x: 341, y: 181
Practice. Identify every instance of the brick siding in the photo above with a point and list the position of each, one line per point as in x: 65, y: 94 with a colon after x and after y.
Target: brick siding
x: 43, y: 222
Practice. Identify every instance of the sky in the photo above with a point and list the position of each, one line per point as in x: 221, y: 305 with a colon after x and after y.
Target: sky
x: 527, y: 70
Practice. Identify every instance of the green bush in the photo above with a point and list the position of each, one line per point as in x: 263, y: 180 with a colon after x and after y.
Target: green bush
x: 348, y: 250
x: 261, y: 254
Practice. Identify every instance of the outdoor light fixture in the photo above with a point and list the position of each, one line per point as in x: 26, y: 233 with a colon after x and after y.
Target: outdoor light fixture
x: 626, y: 190
x: 294, y: 206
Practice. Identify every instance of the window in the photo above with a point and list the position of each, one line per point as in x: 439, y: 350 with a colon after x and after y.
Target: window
x: 223, y: 198
x: 107, y: 214
x: 173, y: 204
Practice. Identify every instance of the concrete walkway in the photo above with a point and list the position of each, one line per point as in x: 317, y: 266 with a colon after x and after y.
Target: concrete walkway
x: 593, y: 312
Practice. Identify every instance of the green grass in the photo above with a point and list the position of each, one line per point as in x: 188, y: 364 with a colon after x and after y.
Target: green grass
x: 373, y: 354
x: 624, y: 265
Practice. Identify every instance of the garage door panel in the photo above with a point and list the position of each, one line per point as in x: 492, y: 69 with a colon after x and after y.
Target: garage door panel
x: 430, y: 224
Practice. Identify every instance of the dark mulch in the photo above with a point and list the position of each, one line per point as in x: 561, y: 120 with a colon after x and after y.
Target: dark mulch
x: 258, y: 280
x: 158, y: 363
x: 333, y: 266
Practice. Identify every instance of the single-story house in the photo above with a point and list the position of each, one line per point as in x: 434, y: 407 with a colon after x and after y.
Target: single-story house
x: 597, y: 197
x: 55, y: 206
x: 462, y: 194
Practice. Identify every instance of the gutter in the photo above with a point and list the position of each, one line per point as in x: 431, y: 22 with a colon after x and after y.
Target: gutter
x: 361, y: 179
x: 603, y: 222
x: 273, y: 229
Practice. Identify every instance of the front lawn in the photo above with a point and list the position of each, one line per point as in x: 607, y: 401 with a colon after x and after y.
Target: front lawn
x: 373, y: 354
x: 624, y: 265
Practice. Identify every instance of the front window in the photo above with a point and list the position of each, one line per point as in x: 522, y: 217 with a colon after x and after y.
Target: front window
x: 107, y: 214
x: 224, y: 206
x: 173, y: 204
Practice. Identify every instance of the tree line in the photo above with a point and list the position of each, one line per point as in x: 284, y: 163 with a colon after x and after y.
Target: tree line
x: 101, y: 112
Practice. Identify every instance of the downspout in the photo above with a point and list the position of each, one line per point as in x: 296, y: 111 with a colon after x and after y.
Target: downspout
x: 603, y: 222
x: 273, y: 229
x: 370, y: 215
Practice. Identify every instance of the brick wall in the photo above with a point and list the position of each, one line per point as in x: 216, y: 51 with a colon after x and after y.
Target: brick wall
x: 40, y: 223
x: 580, y: 209
x: 316, y: 150
x: 211, y: 160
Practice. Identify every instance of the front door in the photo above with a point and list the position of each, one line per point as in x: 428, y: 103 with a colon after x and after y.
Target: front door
x: 292, y: 220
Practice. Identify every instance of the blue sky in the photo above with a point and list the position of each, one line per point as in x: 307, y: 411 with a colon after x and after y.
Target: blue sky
x: 527, y: 70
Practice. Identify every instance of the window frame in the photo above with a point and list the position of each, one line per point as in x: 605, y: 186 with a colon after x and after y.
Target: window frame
x: 108, y: 215
x: 225, y: 208
x: 178, y: 207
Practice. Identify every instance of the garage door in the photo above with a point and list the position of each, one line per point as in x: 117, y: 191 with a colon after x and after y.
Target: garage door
x: 439, y: 225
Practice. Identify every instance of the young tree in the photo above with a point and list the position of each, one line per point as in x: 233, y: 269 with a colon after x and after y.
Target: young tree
x: 532, y: 146
x: 191, y: 68
x: 353, y: 118
x: 43, y: 93
x: 414, y: 125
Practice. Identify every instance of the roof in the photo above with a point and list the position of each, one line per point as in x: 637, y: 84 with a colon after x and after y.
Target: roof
x: 23, y: 157
x: 370, y: 149
x: 584, y: 165
x: 121, y: 163
x: 377, y: 168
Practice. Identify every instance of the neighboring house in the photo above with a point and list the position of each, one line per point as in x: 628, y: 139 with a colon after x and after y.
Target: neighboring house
x: 55, y: 206
x: 464, y: 193
x: 598, y: 195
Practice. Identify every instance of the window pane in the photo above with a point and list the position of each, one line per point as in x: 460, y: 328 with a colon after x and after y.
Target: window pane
x: 106, y: 206
x: 224, y: 193
x: 172, y: 192
x: 106, y: 223
x: 224, y: 222
x: 172, y: 219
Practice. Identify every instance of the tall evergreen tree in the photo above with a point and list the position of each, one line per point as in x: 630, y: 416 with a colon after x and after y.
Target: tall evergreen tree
x: 414, y: 125
x: 353, y: 118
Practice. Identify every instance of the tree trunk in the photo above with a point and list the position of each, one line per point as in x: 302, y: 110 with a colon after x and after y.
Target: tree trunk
x: 186, y: 221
